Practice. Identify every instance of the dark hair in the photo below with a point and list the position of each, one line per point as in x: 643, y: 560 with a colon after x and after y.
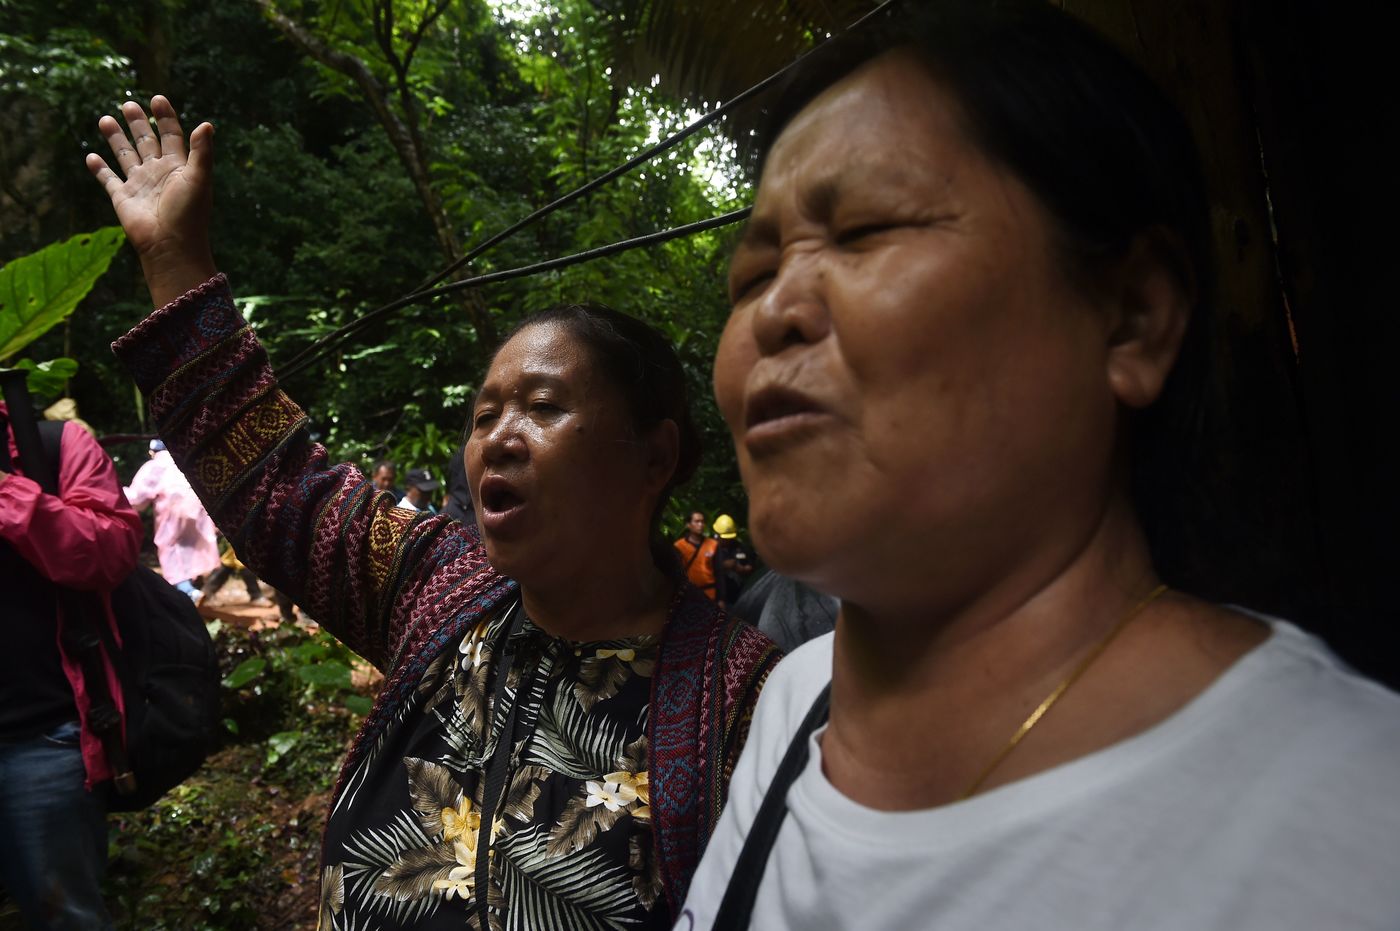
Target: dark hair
x: 1107, y: 155
x: 383, y: 464
x: 640, y: 362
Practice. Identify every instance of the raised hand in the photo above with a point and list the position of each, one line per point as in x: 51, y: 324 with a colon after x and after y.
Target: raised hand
x: 165, y: 200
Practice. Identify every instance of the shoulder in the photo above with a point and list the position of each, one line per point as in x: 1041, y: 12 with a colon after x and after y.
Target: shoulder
x: 1328, y: 698
x: 1311, y: 738
x: 787, y: 697
x: 75, y: 441
x: 1304, y: 755
x: 803, y: 674
x: 746, y: 655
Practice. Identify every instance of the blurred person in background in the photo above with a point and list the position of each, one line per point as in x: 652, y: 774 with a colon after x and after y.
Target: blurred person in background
x: 186, y: 542
x: 697, y: 554
x: 732, y: 565
x: 53, y: 830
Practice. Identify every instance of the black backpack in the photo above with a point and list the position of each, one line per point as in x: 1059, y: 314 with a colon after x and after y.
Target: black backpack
x: 167, y: 665
x: 170, y: 680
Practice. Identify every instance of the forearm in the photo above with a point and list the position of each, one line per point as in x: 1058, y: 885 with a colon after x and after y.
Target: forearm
x: 311, y: 529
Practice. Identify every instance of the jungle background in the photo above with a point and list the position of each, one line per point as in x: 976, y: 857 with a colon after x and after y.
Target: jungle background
x: 363, y: 145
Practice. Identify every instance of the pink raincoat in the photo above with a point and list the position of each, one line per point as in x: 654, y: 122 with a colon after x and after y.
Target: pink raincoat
x: 185, y: 541
x: 86, y: 538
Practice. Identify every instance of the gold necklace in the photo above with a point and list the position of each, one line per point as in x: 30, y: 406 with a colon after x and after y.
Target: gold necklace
x: 1058, y: 691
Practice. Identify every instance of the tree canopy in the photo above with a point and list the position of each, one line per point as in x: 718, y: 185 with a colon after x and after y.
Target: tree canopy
x: 361, y: 146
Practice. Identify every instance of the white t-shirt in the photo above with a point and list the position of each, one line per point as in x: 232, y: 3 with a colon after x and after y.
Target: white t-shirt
x: 1270, y: 801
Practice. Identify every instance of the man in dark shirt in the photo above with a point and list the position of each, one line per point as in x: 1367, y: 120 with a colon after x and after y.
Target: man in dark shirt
x: 420, y: 485
x: 384, y: 475
x: 732, y: 563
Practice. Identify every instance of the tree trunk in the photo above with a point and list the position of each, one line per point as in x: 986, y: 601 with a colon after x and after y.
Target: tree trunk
x: 401, y: 137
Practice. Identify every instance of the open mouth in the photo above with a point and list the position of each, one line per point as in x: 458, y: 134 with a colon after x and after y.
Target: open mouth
x: 497, y: 496
x: 500, y: 500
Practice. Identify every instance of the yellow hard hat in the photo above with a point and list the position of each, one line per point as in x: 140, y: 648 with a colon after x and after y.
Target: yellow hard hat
x: 724, y: 527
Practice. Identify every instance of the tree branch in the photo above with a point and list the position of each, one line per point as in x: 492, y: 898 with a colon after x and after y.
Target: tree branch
x: 402, y: 136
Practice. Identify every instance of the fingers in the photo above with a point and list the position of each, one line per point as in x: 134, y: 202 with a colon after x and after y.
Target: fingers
x: 165, y: 140
x: 121, y: 147
x: 105, y: 175
x: 202, y: 149
x: 147, y: 145
x: 172, y: 137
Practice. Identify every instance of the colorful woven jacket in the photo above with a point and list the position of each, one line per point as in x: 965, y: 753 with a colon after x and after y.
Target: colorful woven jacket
x: 399, y: 586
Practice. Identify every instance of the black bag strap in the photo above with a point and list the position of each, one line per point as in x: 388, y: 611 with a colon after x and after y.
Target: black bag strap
x: 737, y: 905
x: 86, y: 631
x: 43, y: 470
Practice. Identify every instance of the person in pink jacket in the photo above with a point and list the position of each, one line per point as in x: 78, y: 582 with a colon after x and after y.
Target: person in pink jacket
x: 185, y: 537
x: 53, y: 822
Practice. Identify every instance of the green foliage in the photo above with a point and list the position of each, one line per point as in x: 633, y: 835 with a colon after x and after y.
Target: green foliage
x: 513, y: 104
x: 39, y: 291
x: 281, y: 668
x: 428, y: 446
x: 245, y: 672
x: 48, y: 378
x: 69, y: 65
x: 235, y: 847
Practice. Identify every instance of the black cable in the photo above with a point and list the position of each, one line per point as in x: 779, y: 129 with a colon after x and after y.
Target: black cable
x: 318, y: 350
x: 643, y: 156
x: 324, y: 345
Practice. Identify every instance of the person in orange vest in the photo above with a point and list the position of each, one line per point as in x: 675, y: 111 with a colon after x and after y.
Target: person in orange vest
x: 698, y: 554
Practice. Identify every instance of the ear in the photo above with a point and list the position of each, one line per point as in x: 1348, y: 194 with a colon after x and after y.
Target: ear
x: 663, y: 447
x: 1153, y: 291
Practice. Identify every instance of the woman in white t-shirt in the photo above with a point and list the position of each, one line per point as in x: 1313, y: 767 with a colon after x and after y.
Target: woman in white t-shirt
x: 969, y: 330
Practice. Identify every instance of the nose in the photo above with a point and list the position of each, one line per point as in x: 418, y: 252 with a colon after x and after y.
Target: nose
x: 792, y: 310
x: 501, y: 441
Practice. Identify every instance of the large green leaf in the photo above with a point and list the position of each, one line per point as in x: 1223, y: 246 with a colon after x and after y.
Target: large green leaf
x: 47, y: 378
x: 38, y: 291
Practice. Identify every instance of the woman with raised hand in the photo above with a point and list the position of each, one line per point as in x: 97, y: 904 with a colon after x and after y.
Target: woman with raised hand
x: 972, y: 291
x: 575, y: 711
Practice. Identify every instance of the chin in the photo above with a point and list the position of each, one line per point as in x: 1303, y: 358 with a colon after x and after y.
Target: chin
x: 797, y: 550
x: 504, y: 558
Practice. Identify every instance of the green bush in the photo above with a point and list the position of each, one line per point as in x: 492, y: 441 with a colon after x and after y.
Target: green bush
x: 236, y: 846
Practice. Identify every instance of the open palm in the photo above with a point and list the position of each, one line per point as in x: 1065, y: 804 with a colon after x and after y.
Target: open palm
x: 165, y: 199
x: 164, y: 202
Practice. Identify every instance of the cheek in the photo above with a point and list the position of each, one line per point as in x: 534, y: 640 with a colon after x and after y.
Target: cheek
x: 471, y: 458
x: 734, y: 359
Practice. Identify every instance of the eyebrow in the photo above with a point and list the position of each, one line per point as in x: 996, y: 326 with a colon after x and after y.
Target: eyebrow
x: 758, y: 231
x: 528, y: 382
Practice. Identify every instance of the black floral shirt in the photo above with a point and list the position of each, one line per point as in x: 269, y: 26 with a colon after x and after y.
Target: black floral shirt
x: 571, y: 842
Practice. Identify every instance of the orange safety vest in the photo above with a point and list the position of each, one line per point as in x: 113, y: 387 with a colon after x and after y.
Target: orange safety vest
x: 699, y: 565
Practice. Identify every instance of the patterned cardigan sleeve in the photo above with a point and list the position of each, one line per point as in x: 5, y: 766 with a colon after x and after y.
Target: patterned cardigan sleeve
x: 367, y: 571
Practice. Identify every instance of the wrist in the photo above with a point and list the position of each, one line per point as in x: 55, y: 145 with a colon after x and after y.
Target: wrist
x: 171, y: 273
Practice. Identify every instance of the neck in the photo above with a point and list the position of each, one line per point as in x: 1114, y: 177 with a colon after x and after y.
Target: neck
x: 695, y: 538
x: 965, y: 671
x: 623, y: 598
